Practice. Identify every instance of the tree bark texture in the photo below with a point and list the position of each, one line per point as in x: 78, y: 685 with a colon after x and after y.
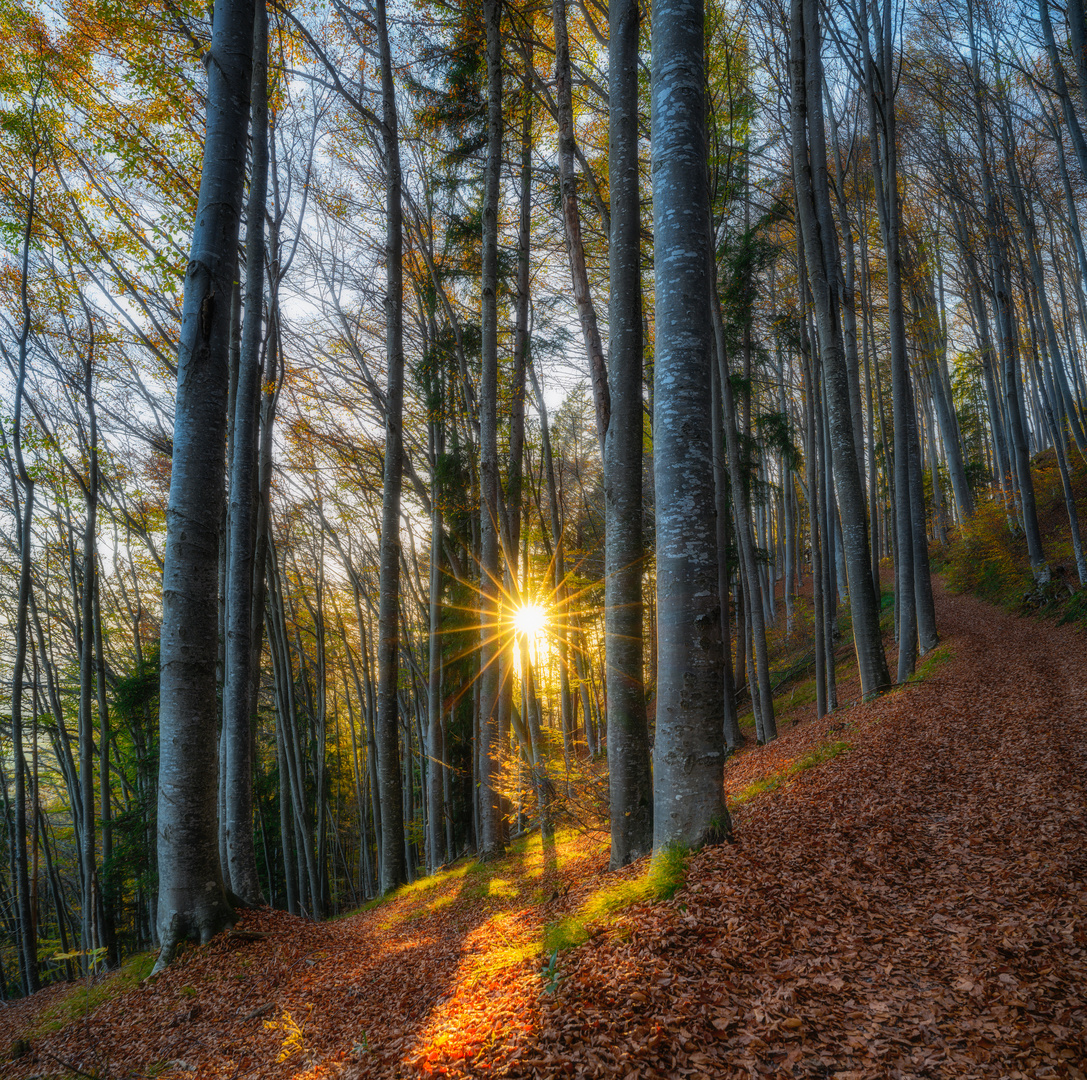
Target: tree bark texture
x: 237, y: 697
x: 490, y: 840
x: 689, y: 806
x: 191, y: 898
x: 630, y: 784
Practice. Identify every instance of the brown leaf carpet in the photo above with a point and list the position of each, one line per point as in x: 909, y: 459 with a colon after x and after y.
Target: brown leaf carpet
x: 912, y: 908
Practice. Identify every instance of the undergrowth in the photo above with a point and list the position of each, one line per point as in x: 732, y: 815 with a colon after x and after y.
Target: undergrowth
x: 988, y: 559
x: 775, y: 780
x: 932, y: 660
x: 661, y: 881
x: 83, y: 998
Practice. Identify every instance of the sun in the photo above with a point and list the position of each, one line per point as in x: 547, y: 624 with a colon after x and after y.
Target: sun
x: 529, y: 619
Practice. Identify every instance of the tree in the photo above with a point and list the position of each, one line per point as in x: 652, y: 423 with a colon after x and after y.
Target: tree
x: 192, y: 902
x: 688, y: 803
x: 241, y: 660
x: 490, y: 840
x: 810, y: 178
x: 628, y: 736
x: 393, y: 868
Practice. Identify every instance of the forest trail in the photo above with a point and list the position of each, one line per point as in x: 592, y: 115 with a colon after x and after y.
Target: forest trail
x: 913, y: 907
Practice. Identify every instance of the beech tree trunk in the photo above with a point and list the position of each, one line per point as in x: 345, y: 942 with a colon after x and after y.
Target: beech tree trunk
x: 191, y: 901
x: 689, y: 806
x: 571, y: 216
x: 630, y: 785
x: 237, y: 696
x: 387, y: 721
x: 490, y: 838
x: 821, y: 256
x: 27, y: 937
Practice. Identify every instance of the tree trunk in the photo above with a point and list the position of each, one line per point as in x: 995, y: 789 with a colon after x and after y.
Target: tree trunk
x: 630, y: 783
x: 689, y: 806
x: 191, y: 898
x: 821, y: 257
x: 490, y: 839
x: 571, y: 216
x: 20, y: 476
x: 237, y: 697
x: 393, y: 867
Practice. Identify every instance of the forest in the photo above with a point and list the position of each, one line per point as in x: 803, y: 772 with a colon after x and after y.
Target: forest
x: 426, y: 425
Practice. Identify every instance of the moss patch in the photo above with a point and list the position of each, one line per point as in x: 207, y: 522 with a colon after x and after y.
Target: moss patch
x: 661, y: 881
x: 84, y: 997
x: 775, y: 780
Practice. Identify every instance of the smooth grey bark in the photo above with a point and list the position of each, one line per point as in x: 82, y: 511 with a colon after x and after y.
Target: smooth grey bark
x: 286, y: 712
x: 387, y: 721
x: 558, y: 565
x: 825, y: 522
x: 846, y: 282
x: 105, y: 885
x: 1077, y: 42
x: 435, y: 731
x: 1024, y: 213
x: 192, y: 902
x: 880, y: 80
x: 689, y: 806
x: 290, y: 871
x: 571, y: 216
x: 490, y: 834
x: 1013, y: 410
x: 1005, y: 317
x: 1060, y: 85
x: 933, y: 352
x: 240, y: 674
x: 815, y: 500
x: 868, y: 339
x: 87, y: 846
x: 733, y: 736
x: 21, y: 477
x: 988, y: 371
x: 927, y: 636
x: 521, y: 342
x: 939, y: 509
x: 822, y: 260
x: 629, y: 778
x: 762, y: 699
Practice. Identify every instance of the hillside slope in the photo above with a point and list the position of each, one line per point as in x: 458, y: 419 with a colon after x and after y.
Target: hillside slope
x: 912, y: 906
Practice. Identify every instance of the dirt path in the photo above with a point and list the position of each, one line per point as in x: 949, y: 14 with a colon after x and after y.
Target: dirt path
x: 914, y: 907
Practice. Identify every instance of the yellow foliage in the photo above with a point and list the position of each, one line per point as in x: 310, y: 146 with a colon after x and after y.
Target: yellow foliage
x: 292, y: 1033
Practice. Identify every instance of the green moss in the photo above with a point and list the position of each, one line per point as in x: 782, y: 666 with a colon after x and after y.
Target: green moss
x: 661, y: 881
x: 1075, y: 610
x: 794, y: 768
x: 83, y: 998
x: 418, y: 888
x: 934, y: 659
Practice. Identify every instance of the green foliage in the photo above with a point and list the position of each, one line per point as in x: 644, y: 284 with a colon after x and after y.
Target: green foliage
x: 551, y: 976
x: 984, y: 561
x: 1075, y: 610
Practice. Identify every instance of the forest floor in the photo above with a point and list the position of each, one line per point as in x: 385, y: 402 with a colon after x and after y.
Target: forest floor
x: 904, y: 896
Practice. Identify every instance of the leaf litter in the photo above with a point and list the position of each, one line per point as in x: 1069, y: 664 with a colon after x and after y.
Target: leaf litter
x: 913, y: 907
